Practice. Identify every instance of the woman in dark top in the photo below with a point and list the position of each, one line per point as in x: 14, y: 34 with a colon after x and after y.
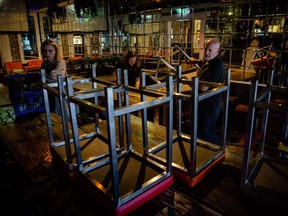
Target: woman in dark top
x: 209, y: 109
x: 131, y: 64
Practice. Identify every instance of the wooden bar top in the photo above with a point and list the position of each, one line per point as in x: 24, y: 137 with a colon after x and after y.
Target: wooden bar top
x: 28, y: 142
x: 24, y: 140
x: 4, y: 95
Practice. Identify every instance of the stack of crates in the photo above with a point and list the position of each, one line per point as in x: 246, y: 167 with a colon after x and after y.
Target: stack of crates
x: 26, y: 93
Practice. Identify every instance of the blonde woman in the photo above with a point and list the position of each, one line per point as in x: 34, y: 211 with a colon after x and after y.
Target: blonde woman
x: 52, y: 62
x: 53, y: 65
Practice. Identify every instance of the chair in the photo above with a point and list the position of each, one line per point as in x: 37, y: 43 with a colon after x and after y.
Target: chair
x: 13, y: 67
x: 240, y: 92
x: 261, y: 66
x: 33, y: 65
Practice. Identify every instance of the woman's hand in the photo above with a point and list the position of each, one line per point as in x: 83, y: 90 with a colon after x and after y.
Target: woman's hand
x: 203, y: 88
x: 137, y: 82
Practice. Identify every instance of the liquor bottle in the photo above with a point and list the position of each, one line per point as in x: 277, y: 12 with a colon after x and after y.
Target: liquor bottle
x: 36, y: 103
x: 25, y: 104
x: 41, y: 100
x: 21, y: 104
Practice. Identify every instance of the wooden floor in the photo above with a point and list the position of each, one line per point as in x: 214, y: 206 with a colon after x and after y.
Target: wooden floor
x: 219, y: 193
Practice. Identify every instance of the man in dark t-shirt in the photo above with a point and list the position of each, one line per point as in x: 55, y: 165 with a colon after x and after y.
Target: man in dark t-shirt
x: 209, y: 109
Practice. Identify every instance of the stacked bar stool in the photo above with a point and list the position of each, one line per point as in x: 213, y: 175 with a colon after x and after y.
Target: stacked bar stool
x: 60, y: 128
x: 126, y: 178
x: 264, y: 173
x: 193, y: 158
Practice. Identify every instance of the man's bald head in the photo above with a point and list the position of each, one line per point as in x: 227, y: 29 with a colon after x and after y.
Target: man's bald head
x: 212, y: 48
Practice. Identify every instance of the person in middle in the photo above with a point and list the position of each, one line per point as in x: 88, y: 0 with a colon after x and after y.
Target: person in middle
x: 130, y: 62
x: 209, y: 109
x: 132, y: 65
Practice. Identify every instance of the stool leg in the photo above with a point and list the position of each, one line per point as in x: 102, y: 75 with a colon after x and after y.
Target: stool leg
x: 234, y: 116
x: 255, y: 131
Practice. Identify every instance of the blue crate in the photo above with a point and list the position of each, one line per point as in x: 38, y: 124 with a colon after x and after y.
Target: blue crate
x: 21, y: 83
x: 26, y: 93
x: 28, y: 102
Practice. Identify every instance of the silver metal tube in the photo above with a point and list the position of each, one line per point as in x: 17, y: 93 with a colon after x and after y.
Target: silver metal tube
x: 186, y: 55
x: 167, y: 64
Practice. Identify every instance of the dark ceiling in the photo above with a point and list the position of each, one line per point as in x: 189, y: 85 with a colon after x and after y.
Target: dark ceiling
x: 126, y: 5
x: 131, y: 6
